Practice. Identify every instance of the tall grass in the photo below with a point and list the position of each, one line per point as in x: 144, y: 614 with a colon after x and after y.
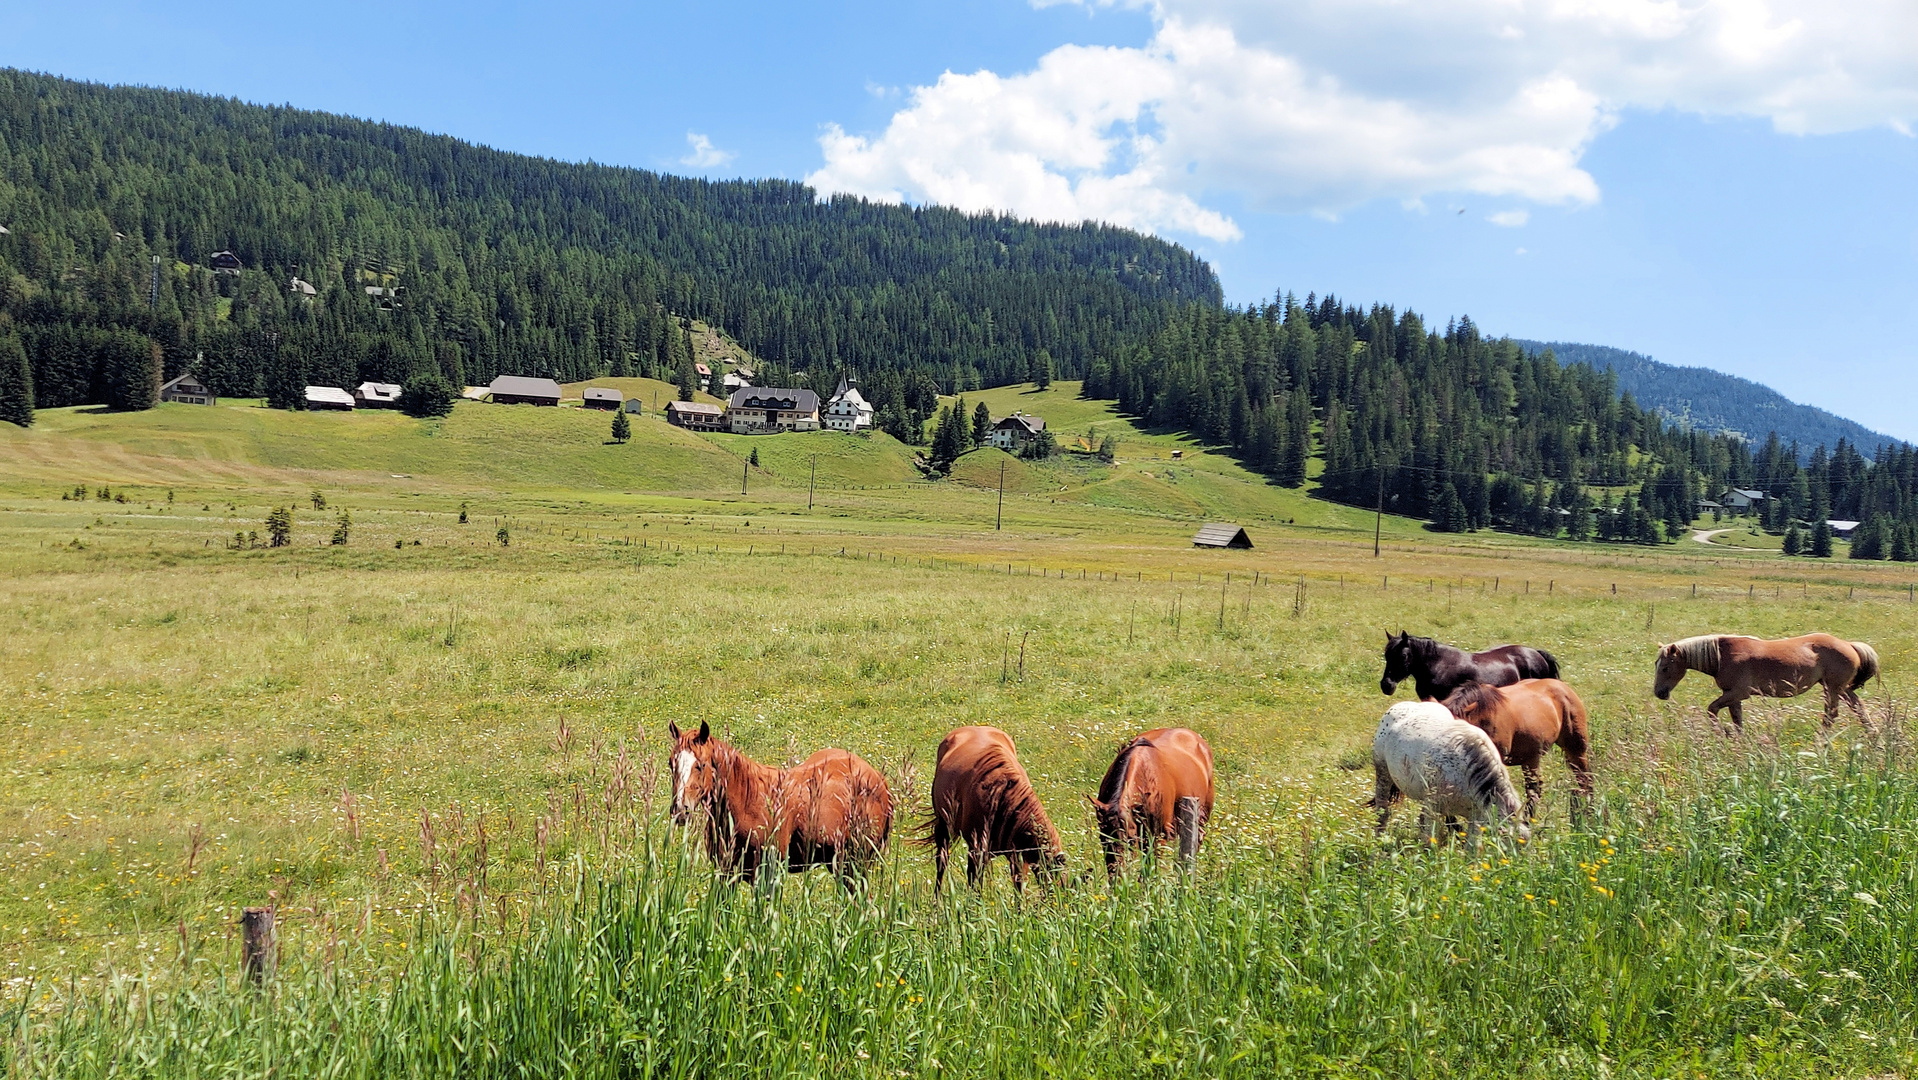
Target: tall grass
x: 1733, y: 911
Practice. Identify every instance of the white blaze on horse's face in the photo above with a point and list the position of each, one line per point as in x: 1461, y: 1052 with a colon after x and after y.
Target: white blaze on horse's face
x: 683, y: 763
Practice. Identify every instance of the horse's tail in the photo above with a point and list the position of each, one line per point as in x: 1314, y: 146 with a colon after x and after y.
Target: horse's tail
x: 1551, y: 666
x: 932, y: 831
x: 1867, y: 664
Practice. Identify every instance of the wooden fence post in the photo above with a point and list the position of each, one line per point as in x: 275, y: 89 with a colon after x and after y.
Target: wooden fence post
x: 259, y: 946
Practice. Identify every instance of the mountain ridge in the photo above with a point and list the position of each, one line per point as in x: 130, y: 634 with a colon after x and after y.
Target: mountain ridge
x: 1713, y: 401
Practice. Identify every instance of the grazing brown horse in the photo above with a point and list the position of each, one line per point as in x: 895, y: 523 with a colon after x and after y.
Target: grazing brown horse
x: 1787, y: 667
x: 981, y: 794
x: 1138, y: 803
x: 1525, y: 720
x: 832, y: 809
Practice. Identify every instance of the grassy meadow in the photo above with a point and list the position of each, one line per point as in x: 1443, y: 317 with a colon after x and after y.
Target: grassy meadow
x: 440, y: 758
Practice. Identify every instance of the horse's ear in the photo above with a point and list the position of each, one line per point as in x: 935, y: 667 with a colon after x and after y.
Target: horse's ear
x: 673, y: 730
x: 1096, y: 804
x: 705, y: 733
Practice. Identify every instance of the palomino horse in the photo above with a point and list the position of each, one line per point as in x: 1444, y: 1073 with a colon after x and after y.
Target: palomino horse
x: 832, y: 809
x: 1525, y: 720
x: 1450, y: 768
x: 1139, y: 799
x: 1436, y: 669
x: 981, y: 794
x: 1787, y: 667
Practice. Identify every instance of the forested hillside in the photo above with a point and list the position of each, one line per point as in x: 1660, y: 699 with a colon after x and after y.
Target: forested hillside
x: 425, y: 253
x: 1712, y: 400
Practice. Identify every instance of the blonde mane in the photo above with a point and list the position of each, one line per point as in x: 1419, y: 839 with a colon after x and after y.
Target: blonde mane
x: 1701, y: 653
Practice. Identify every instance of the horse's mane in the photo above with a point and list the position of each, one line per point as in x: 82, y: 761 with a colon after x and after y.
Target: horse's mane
x: 1473, y: 698
x: 1114, y: 782
x: 1485, y: 774
x: 1007, y: 785
x: 1701, y: 653
x: 742, y: 780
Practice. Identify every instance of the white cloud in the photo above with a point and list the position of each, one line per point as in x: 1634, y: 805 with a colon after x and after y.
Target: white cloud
x: 1319, y: 105
x: 1510, y: 219
x: 704, y: 154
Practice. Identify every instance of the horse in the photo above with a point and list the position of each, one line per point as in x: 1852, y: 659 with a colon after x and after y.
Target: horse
x: 1437, y: 669
x: 1142, y: 799
x: 1782, y: 668
x: 982, y: 795
x: 833, y: 809
x: 1525, y: 720
x: 1446, y: 765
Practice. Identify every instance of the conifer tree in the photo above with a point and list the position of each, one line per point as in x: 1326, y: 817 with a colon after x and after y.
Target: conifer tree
x: 16, y: 382
x: 623, y: 428
x: 981, y: 424
x: 1794, y: 540
x: 688, y: 379
x: 1820, y: 547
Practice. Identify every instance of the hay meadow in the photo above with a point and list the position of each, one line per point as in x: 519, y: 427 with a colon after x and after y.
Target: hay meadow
x: 439, y: 756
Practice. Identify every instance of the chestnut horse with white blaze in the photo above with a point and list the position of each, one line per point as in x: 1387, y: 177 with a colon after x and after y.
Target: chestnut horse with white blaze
x: 1783, y: 668
x: 1525, y: 720
x: 982, y: 795
x: 1138, y: 801
x: 833, y: 809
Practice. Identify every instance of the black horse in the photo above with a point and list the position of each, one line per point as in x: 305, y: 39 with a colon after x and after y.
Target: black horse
x: 1436, y: 669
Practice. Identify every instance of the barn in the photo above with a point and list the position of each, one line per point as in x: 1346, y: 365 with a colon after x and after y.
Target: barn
x: 1222, y: 536
x: 602, y: 397
x: 523, y: 390
x: 328, y: 397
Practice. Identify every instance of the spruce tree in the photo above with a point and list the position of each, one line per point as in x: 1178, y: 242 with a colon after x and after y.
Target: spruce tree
x: 688, y: 379
x: 981, y: 424
x: 623, y: 428
x: 1821, y: 540
x: 16, y: 382
x: 1794, y: 540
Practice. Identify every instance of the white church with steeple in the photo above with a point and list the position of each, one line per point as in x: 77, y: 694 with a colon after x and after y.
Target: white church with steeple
x: 848, y: 410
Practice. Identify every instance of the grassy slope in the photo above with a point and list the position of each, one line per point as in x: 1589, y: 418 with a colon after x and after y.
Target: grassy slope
x: 160, y: 682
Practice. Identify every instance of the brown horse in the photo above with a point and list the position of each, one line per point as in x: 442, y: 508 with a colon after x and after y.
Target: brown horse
x: 1139, y: 799
x: 832, y: 809
x: 1787, y: 667
x: 981, y: 794
x: 1525, y: 720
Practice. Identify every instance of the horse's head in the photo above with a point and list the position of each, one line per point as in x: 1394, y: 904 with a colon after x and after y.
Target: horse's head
x: 1672, y: 667
x: 691, y: 763
x: 1399, y: 657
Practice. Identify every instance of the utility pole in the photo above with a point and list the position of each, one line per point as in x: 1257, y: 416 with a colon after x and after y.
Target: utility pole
x: 999, y: 518
x: 153, y: 298
x: 745, y: 467
x: 810, y: 480
x: 1378, y: 518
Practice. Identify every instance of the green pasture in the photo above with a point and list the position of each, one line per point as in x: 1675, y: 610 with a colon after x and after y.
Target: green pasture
x: 440, y: 758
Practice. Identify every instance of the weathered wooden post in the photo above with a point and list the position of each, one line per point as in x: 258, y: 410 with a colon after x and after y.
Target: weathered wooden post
x: 259, y: 946
x: 1190, y: 820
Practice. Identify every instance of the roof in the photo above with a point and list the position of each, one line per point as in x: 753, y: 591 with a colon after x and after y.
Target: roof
x: 304, y: 288
x: 525, y: 386
x: 702, y: 369
x: 1033, y: 424
x: 475, y: 393
x: 329, y: 395
x: 1222, y: 536
x: 379, y: 391
x: 695, y: 407
x: 1841, y: 526
x: 178, y: 379
x: 782, y: 398
x: 1748, y: 493
x: 603, y: 393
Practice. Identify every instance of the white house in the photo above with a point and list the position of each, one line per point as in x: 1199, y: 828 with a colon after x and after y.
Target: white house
x: 759, y: 410
x: 1741, y: 498
x: 1015, y: 431
x: 847, y: 409
x: 733, y: 380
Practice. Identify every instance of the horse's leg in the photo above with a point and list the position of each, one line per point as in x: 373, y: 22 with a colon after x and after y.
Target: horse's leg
x: 976, y: 862
x: 1016, y: 866
x: 941, y: 852
x: 1428, y: 827
x: 1857, y: 706
x: 1727, y: 701
x: 1384, y: 792
x: 1534, y: 787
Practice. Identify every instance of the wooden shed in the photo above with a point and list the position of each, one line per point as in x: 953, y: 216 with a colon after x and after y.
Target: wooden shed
x: 523, y: 390
x: 602, y: 397
x: 1222, y: 536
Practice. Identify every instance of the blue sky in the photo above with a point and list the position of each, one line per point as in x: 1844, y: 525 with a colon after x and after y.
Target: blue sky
x: 1726, y: 183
